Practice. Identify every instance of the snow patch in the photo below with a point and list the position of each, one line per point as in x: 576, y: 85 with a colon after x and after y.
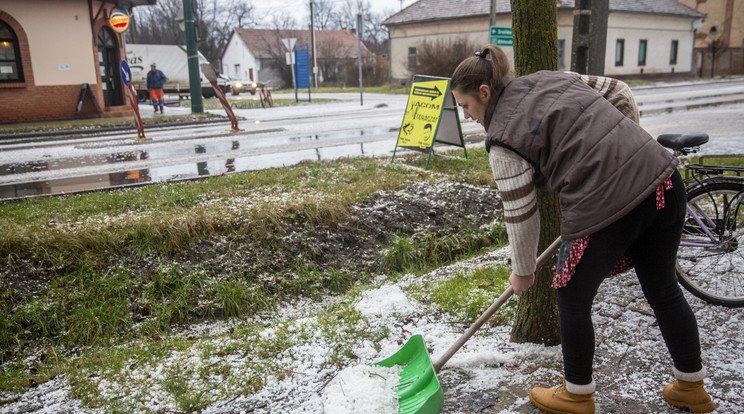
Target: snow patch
x: 386, y: 300
x: 363, y: 389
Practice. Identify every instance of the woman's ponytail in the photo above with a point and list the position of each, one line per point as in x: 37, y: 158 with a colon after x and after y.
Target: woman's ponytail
x: 488, y: 67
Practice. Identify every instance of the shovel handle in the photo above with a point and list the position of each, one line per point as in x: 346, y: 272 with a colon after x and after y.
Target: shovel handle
x: 491, y: 310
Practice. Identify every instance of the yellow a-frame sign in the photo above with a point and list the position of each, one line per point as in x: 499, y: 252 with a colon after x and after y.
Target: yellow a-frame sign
x: 431, y: 116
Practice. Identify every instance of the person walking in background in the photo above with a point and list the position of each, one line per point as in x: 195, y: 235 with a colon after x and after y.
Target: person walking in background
x: 155, y: 82
x: 622, y: 204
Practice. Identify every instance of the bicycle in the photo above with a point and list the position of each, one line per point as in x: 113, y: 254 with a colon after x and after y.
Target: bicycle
x: 264, y: 95
x: 710, y: 262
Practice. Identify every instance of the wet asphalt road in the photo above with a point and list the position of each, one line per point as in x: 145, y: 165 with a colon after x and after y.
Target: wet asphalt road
x: 274, y: 137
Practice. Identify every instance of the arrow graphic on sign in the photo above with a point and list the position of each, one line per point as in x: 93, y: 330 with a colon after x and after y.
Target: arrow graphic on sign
x: 126, y: 73
x: 432, y: 93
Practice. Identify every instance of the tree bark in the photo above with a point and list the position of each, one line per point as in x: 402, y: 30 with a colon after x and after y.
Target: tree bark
x: 535, y: 48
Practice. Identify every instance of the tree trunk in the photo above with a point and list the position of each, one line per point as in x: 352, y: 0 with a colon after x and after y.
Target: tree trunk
x: 535, y: 48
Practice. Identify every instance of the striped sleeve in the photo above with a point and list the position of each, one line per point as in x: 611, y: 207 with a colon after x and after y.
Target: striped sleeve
x: 617, y: 92
x: 514, y: 178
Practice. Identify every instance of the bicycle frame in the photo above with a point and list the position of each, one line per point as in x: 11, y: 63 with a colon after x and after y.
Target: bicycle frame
x: 704, y: 221
x: 705, y: 224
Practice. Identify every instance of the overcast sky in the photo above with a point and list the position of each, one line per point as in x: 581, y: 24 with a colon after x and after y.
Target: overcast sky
x: 301, y: 8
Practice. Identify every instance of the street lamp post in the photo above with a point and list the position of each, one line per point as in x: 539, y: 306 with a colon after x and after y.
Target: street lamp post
x: 192, y: 58
x: 359, y: 45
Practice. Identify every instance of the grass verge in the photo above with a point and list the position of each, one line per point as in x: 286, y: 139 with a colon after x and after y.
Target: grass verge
x: 111, y: 288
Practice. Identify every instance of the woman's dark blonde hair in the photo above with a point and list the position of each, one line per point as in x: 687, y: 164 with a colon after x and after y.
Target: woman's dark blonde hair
x: 488, y: 67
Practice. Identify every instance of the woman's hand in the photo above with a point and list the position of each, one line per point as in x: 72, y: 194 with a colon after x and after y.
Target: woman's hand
x: 521, y: 283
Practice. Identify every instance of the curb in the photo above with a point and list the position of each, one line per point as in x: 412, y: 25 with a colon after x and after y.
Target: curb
x: 673, y: 108
x: 92, y: 131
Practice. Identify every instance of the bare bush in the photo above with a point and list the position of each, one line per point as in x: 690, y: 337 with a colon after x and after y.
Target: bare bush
x: 440, y: 57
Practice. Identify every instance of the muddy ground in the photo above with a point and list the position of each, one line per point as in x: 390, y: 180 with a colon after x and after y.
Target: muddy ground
x: 631, y: 363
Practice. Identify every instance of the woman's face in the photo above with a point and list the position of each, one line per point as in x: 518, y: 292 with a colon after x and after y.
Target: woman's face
x: 474, y: 105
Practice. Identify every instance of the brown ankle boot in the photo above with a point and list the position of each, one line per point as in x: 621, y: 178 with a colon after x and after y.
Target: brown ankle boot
x: 560, y: 401
x: 689, y: 395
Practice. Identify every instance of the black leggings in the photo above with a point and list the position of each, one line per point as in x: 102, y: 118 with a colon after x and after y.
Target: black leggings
x: 651, y: 237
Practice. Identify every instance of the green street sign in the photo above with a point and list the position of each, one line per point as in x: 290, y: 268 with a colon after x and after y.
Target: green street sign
x: 501, y: 36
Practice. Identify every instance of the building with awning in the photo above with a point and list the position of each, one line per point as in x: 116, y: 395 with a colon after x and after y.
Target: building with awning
x: 51, y: 51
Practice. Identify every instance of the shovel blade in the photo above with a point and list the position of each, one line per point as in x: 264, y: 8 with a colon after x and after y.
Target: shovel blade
x: 419, y: 391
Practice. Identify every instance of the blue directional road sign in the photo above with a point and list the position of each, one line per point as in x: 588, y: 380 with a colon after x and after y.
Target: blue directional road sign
x: 126, y: 73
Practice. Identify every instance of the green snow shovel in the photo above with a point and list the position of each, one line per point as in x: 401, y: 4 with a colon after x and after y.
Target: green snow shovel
x: 419, y: 391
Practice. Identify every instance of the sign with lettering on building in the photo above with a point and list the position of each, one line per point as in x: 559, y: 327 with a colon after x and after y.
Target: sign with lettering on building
x: 431, y: 117
x: 119, y: 19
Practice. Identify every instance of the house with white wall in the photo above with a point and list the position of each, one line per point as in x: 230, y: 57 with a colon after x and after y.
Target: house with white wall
x: 649, y: 38
x: 259, y: 54
x: 238, y: 60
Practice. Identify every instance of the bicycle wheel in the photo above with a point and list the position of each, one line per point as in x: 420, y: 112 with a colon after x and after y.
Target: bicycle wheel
x: 269, y: 99
x: 710, y: 261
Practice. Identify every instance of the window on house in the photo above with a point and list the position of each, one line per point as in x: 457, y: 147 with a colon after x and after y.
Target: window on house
x: 619, y: 52
x: 642, y: 49
x: 11, y: 69
x: 561, y: 53
x: 673, y: 52
x: 237, y: 69
x: 411, y: 58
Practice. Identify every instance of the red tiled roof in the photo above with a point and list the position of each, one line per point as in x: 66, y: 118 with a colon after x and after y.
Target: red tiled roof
x: 267, y: 43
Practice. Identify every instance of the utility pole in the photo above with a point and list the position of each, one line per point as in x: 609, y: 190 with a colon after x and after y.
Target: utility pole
x: 193, y: 57
x: 589, y: 36
x: 359, y: 44
x: 492, y: 19
x: 312, y: 40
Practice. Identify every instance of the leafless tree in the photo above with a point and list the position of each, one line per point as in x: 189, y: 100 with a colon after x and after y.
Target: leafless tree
x: 345, y: 16
x: 324, y: 15
x: 375, y: 35
x: 244, y: 13
x: 331, y: 60
x: 215, y: 20
x: 283, y: 20
x: 157, y: 22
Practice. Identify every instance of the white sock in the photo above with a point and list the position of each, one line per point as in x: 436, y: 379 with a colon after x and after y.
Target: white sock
x: 581, y: 389
x: 689, y: 376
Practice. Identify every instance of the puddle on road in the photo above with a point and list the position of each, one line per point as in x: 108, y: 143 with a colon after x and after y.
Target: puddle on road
x: 191, y: 171
x: 169, y: 152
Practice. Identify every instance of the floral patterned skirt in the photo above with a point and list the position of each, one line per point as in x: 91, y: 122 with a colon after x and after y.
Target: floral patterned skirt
x: 571, y: 251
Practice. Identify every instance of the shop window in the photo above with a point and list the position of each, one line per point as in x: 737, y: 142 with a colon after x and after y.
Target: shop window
x: 11, y: 67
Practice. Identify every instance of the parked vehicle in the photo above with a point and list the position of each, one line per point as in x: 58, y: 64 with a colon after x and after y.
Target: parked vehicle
x: 173, y: 61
